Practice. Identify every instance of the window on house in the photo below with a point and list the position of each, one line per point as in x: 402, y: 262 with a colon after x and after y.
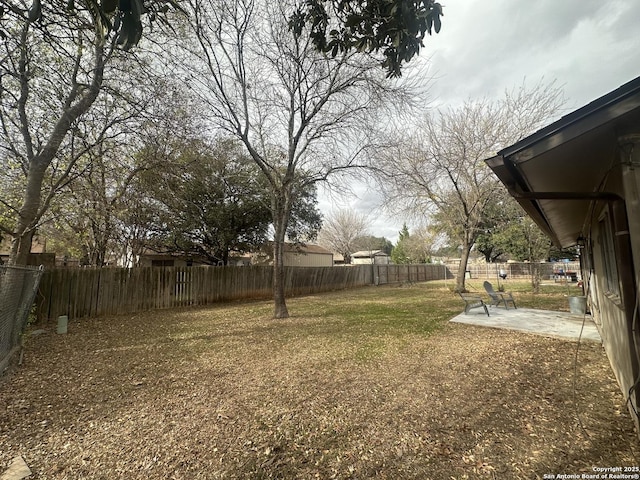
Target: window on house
x: 611, y: 281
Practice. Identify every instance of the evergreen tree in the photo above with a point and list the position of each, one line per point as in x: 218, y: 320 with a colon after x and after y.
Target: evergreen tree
x: 400, y: 254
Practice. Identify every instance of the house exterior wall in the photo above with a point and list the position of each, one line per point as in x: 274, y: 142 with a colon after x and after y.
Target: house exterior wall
x: 361, y: 261
x: 630, y: 160
x: 609, y: 278
x: 579, y: 179
x: 629, y: 151
x: 295, y: 259
x: 381, y: 260
x: 610, y: 317
x: 161, y: 260
x: 35, y: 259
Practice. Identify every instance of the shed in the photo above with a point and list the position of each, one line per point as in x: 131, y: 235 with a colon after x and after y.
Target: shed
x: 368, y: 257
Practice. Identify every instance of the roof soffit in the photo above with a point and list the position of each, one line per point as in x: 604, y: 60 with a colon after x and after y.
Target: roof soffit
x: 573, y: 155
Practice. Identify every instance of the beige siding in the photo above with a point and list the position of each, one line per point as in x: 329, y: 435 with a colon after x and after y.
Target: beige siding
x: 293, y: 259
x: 608, y: 307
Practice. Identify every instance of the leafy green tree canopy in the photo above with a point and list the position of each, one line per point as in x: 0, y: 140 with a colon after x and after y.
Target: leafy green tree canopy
x: 416, y: 247
x: 500, y: 211
x: 395, y: 27
x: 399, y: 254
x: 522, y: 240
x: 215, y: 202
x: 208, y: 204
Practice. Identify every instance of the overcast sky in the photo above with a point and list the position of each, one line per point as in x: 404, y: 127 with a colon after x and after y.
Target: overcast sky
x: 589, y: 47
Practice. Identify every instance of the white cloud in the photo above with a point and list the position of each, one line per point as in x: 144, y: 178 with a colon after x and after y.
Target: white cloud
x: 590, y: 47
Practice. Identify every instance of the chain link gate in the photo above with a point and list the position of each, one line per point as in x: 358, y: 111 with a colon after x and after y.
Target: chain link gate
x: 18, y: 288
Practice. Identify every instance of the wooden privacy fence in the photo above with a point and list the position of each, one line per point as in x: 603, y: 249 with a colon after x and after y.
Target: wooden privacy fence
x: 384, y: 274
x: 520, y: 270
x: 110, y: 291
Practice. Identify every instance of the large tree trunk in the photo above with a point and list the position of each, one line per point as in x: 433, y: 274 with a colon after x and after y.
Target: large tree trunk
x: 28, y: 215
x: 279, y: 302
x: 31, y: 209
x: 535, y: 275
x: 462, y: 268
x: 281, y: 210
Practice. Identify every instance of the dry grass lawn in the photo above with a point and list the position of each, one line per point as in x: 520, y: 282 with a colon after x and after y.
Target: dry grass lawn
x: 370, y: 383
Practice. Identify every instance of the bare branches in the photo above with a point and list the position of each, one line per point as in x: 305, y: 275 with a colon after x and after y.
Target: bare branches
x: 301, y: 115
x: 445, y: 154
x: 53, y: 75
x: 341, y: 229
x: 439, y: 170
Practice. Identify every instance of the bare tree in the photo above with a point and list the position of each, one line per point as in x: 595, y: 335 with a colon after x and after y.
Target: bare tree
x: 84, y: 219
x: 301, y: 115
x: 341, y: 229
x: 440, y: 173
x: 52, y: 73
x: 414, y: 247
x: 66, y: 92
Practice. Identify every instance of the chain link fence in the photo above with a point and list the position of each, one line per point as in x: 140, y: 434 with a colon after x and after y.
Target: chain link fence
x: 18, y: 288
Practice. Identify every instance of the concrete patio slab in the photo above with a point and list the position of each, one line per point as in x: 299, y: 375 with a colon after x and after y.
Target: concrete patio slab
x: 540, y: 322
x: 18, y: 470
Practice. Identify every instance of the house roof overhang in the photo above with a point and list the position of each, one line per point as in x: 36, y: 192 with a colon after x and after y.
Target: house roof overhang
x: 557, y: 173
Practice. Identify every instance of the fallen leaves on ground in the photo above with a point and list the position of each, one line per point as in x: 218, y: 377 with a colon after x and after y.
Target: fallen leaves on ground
x: 228, y: 392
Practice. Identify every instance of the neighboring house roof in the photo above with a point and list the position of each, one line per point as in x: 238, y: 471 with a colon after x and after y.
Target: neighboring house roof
x: 368, y: 254
x: 267, y: 248
x: 149, y: 254
x: 306, y: 249
x: 295, y: 255
x: 558, y: 171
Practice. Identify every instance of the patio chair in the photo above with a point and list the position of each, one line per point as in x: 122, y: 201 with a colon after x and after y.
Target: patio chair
x: 499, y: 298
x: 471, y: 300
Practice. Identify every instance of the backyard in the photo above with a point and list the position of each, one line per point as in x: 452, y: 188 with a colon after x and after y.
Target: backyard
x: 367, y: 383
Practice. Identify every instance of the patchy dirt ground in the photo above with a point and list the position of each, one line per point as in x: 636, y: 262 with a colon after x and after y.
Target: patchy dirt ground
x: 227, y: 392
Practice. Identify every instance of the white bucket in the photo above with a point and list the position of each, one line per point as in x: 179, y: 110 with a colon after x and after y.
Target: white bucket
x: 578, y: 305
